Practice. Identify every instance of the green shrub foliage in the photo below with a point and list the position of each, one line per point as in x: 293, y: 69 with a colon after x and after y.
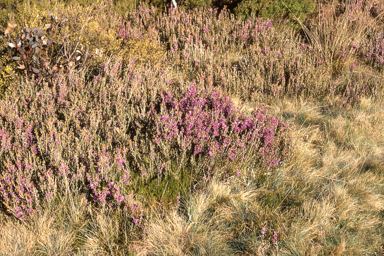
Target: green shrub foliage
x: 272, y: 9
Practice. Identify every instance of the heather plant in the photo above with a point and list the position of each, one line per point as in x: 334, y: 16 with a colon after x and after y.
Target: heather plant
x: 170, y: 134
x: 34, y: 164
x: 198, y: 134
x: 211, y: 127
x: 157, y: 125
x: 374, y: 55
x: 279, y: 61
x: 332, y: 43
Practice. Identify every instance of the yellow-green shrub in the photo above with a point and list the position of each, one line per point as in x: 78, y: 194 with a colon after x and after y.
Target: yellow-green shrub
x: 30, y: 12
x: 7, y: 75
x: 92, y: 31
x: 145, y: 49
x: 94, y: 26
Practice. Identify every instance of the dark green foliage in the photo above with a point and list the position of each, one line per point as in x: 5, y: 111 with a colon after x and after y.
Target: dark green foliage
x: 190, y: 4
x: 123, y: 7
x: 279, y: 200
x: 274, y: 9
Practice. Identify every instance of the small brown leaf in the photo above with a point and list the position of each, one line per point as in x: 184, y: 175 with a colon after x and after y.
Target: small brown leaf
x: 12, y: 26
x: 46, y: 64
x: 55, y: 68
x: 35, y: 70
x: 7, y: 31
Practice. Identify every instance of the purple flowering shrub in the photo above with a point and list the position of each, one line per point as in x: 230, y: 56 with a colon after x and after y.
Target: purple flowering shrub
x: 374, y: 51
x: 341, y: 39
x: 20, y: 170
x: 257, y: 59
x: 37, y: 163
x: 206, y: 130
x: 101, y: 136
x: 372, y: 48
x: 57, y: 140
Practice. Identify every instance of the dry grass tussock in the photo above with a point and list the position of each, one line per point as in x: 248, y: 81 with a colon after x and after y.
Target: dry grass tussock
x: 199, y: 140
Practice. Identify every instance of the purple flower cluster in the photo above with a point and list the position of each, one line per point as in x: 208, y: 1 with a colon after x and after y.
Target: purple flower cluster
x: 208, y: 125
x: 37, y: 160
x: 21, y: 183
x: 375, y: 51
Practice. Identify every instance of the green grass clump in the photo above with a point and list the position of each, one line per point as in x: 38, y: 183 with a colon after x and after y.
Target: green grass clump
x: 167, y: 188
